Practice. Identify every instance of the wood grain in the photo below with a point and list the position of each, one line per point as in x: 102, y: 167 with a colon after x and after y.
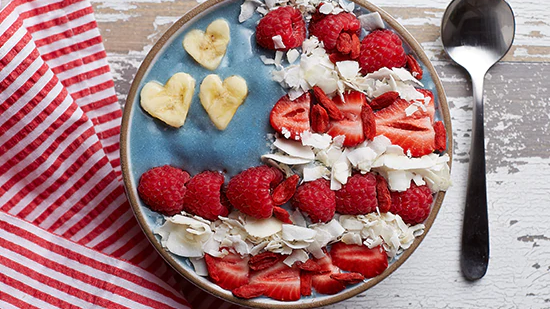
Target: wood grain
x: 517, y: 116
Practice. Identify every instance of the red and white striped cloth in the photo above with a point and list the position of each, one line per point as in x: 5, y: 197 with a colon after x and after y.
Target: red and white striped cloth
x: 68, y: 237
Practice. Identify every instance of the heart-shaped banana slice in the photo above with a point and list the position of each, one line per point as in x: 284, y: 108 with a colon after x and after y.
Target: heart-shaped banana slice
x: 222, y: 99
x: 169, y: 103
x: 208, y: 48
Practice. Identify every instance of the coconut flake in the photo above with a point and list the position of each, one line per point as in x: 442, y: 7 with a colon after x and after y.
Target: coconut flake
x: 298, y: 219
x: 399, y: 180
x: 262, y: 228
x: 348, y: 7
x: 279, y: 157
x: 296, y: 256
x: 247, y: 9
x: 292, y: 55
x: 313, y: 173
x: 411, y: 109
x: 297, y: 233
x: 270, y: 3
x: 315, y: 140
x: 352, y: 239
x: 278, y: 42
x: 333, y: 228
x: 348, y: 69
x: 326, y: 8
x: 371, y: 21
x: 294, y: 148
x: 266, y: 60
x: 200, y: 266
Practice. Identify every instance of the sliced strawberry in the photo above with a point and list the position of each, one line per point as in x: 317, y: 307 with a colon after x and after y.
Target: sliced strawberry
x: 229, y: 272
x: 440, y: 136
x: 280, y: 281
x: 413, y: 133
x: 290, y: 118
x: 368, y: 262
x: 323, y: 283
x: 351, y: 126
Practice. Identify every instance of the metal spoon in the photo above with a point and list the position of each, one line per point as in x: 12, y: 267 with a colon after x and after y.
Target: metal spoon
x: 477, y: 34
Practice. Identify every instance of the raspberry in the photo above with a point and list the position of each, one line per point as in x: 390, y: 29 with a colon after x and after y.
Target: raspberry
x: 163, y: 189
x: 285, y: 21
x: 327, y: 28
x: 412, y: 205
x: 250, y: 190
x: 381, y: 48
x: 357, y: 196
x: 203, y: 196
x: 316, y: 200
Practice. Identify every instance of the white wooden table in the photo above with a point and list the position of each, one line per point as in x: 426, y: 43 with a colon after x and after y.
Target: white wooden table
x: 517, y: 117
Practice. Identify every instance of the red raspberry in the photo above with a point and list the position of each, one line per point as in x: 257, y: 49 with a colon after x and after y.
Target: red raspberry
x: 163, y: 188
x: 316, y: 200
x: 357, y: 196
x: 381, y: 48
x: 285, y: 21
x: 327, y: 28
x: 250, y: 190
x: 412, y: 205
x: 203, y: 196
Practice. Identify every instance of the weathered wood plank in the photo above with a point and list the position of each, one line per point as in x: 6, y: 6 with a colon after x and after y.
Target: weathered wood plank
x: 518, y: 161
x: 129, y: 25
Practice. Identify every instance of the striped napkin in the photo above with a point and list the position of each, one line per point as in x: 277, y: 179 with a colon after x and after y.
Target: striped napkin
x: 68, y: 237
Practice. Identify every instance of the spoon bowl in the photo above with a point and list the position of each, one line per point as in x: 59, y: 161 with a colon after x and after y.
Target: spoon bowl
x: 476, y: 34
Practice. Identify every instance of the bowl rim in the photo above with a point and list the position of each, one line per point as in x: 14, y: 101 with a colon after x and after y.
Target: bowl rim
x: 190, y: 275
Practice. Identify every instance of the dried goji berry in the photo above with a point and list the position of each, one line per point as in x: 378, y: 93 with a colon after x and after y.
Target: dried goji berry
x: 343, y: 43
x: 338, y: 57
x: 319, y: 119
x: 305, y: 283
x: 369, y: 122
x: 355, y: 47
x: 310, y: 265
x: 263, y: 260
x: 383, y: 194
x: 348, y: 278
x: 384, y: 100
x: 282, y: 215
x: 250, y: 290
x: 328, y: 104
x: 414, y: 67
x: 285, y: 190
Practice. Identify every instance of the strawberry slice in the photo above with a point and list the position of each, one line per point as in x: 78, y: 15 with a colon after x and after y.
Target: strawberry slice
x: 414, y: 132
x: 323, y: 283
x: 279, y: 281
x: 290, y: 118
x: 368, y: 262
x: 351, y: 126
x: 228, y: 272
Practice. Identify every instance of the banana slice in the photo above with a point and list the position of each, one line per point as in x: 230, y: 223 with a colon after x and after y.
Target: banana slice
x: 169, y: 103
x: 208, y: 48
x: 222, y: 99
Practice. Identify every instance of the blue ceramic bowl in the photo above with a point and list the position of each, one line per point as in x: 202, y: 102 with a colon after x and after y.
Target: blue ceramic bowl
x: 198, y: 145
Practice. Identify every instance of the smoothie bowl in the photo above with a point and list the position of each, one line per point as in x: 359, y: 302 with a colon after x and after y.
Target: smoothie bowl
x: 286, y: 154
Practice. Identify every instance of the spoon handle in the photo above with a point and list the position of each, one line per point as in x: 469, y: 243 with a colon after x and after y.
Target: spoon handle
x: 475, y: 232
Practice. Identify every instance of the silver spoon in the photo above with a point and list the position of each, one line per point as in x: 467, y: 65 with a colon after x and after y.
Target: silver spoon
x: 477, y: 34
